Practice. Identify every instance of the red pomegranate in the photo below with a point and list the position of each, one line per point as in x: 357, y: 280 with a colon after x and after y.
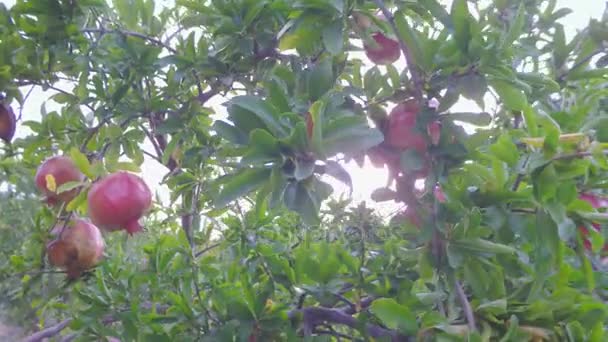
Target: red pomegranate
x: 8, y: 123
x: 63, y: 170
x: 385, y: 50
x: 401, y: 130
x: 596, y: 202
x: 118, y: 201
x: 77, y: 247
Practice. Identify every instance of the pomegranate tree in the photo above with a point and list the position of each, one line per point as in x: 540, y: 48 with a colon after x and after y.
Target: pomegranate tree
x: 8, y: 123
x: 77, y: 247
x: 118, y: 201
x: 55, y: 172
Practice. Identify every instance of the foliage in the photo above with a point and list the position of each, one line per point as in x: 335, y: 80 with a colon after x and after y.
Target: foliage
x: 251, y: 245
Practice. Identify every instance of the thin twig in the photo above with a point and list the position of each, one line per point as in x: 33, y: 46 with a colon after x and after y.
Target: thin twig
x: 578, y: 64
x: 466, y: 306
x: 27, y: 95
x: 207, y: 249
x: 106, y: 320
x: 314, y: 316
x: 130, y: 33
x: 48, y: 332
x: 94, y: 131
x: 418, y: 82
x: 520, y: 175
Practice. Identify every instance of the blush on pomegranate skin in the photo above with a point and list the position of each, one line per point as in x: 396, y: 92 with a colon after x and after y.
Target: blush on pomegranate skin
x: 309, y: 125
x: 118, y: 201
x: 386, y: 52
x: 63, y: 170
x: 8, y: 123
x: 401, y: 131
x: 79, y: 247
x: 596, y: 202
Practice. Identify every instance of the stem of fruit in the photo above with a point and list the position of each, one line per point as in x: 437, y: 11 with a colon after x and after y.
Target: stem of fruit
x: 416, y: 78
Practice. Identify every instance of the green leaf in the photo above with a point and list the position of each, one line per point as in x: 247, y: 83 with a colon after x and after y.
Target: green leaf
x: 479, y: 119
x: 336, y: 170
x: 263, y: 147
x: 438, y: 11
x: 462, y: 26
x: 530, y: 120
x: 409, y: 36
x: 484, y: 246
x: 299, y: 199
x: 304, y: 168
x: 65, y: 187
x: 394, y: 315
x: 332, y: 37
x: 505, y: 150
x: 240, y: 184
x: 349, y: 135
x: 517, y: 26
x: 317, y: 113
x: 513, y: 98
x: 560, y: 49
x: 263, y: 110
x: 320, y: 79
x: 81, y: 161
x: 277, y: 185
x: 78, y: 202
x: 277, y: 96
x: 473, y: 86
x: 229, y: 132
x: 119, y: 94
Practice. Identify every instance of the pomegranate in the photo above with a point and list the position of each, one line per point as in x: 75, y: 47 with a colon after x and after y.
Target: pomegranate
x: 8, y: 123
x: 596, y: 202
x: 77, y: 247
x: 118, y: 201
x: 55, y: 172
x: 401, y: 132
x: 386, y: 50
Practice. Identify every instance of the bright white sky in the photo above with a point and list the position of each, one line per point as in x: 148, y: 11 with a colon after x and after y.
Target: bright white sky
x: 366, y: 179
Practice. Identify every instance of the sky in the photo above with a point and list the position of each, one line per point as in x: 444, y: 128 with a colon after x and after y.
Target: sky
x: 365, y: 179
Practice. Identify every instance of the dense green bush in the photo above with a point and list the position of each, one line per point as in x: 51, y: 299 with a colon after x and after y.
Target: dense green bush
x: 250, y: 109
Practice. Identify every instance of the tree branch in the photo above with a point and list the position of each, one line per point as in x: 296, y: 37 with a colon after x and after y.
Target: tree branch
x: 314, y: 316
x: 577, y: 65
x: 152, y: 40
x: 418, y: 82
x: 48, y: 332
x: 207, y: 249
x: 106, y: 320
x: 466, y: 306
